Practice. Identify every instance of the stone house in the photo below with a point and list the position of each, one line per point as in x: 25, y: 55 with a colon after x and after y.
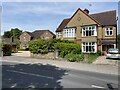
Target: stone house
x: 26, y: 37
x: 93, y: 31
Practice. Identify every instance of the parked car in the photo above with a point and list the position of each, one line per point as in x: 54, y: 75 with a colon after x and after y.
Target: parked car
x: 113, y: 53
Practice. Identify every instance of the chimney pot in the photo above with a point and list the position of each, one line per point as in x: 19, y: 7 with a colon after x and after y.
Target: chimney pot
x: 86, y: 11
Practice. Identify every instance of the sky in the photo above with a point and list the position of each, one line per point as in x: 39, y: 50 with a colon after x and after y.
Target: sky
x: 30, y: 16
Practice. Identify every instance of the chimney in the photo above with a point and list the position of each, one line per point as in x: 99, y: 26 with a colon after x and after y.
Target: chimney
x: 86, y: 11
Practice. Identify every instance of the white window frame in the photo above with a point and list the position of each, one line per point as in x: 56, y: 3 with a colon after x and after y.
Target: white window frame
x: 59, y: 34
x: 69, y: 32
x: 108, y: 30
x: 87, y: 29
x: 89, y: 45
x: 24, y: 38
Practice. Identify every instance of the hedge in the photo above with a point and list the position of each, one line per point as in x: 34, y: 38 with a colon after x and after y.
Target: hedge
x: 40, y: 46
x: 66, y: 48
x: 6, y: 48
x: 74, y: 57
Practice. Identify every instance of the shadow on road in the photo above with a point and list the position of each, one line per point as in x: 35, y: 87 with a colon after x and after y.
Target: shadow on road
x: 31, y: 76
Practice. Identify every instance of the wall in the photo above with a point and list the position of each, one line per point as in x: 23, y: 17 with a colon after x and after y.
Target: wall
x: 50, y: 55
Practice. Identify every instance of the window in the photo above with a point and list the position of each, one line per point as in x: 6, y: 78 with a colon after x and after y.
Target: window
x: 89, y: 47
x: 109, y: 31
x: 24, y: 38
x: 69, y: 32
x: 89, y: 31
x: 59, y: 34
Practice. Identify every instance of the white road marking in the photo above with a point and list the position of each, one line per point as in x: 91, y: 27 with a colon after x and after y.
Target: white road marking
x: 30, y: 74
x: 14, y: 85
x: 95, y: 86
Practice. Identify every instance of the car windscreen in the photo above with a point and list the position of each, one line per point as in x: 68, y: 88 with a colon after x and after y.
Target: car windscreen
x: 113, y: 51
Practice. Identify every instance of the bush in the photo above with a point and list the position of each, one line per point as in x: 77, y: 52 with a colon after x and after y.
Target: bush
x: 6, y: 48
x: 92, y: 57
x: 66, y: 48
x: 99, y: 53
x: 74, y: 57
x: 41, y: 46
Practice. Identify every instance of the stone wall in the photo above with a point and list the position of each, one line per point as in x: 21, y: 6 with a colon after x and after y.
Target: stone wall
x: 50, y: 55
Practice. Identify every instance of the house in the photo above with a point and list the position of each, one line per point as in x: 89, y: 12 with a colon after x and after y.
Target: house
x: 93, y: 31
x: 26, y: 37
x: 13, y: 43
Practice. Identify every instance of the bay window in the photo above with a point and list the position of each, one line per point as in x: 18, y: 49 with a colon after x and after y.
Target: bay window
x: 89, y: 47
x: 89, y: 31
x: 69, y: 32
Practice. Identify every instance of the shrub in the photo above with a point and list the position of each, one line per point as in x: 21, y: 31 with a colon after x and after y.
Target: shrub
x: 99, y: 53
x: 66, y: 48
x: 6, y: 48
x: 92, y: 57
x: 40, y: 46
x: 74, y: 57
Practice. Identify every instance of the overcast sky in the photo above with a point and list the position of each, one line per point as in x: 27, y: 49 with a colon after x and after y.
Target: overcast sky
x: 30, y: 16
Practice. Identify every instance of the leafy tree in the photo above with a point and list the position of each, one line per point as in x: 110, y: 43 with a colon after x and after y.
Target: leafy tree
x: 7, y: 34
x: 16, y: 33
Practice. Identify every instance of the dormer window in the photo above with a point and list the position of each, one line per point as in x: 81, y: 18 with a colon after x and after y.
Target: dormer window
x: 109, y: 31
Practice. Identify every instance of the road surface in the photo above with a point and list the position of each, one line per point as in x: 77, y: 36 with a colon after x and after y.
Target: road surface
x: 16, y: 75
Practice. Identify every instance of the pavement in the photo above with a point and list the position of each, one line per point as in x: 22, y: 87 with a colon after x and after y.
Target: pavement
x: 106, y: 69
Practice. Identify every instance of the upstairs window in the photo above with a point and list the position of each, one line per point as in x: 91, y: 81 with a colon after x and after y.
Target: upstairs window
x: 89, y: 31
x: 59, y: 34
x: 108, y: 31
x: 69, y: 32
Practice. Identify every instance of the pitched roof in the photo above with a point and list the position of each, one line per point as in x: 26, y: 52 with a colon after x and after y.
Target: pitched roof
x: 29, y: 33
x: 105, y: 18
x: 63, y: 24
x: 38, y: 33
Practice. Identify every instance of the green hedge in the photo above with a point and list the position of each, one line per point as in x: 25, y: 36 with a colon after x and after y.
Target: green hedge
x: 74, y: 57
x: 41, y: 46
x: 6, y: 48
x: 66, y: 48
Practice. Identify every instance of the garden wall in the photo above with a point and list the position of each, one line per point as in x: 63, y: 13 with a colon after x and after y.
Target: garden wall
x: 49, y: 55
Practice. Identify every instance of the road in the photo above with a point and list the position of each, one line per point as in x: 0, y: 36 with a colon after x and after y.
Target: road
x: 16, y: 75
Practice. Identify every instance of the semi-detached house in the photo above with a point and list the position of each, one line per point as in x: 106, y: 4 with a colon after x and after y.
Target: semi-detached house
x: 92, y: 31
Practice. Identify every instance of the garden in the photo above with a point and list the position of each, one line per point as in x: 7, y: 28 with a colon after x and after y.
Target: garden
x: 66, y: 49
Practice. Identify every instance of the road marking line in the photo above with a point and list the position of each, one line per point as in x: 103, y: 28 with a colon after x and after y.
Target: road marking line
x: 14, y: 85
x: 30, y: 74
x: 97, y: 86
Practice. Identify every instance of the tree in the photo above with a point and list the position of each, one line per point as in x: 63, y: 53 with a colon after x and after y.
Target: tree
x: 16, y: 33
x: 7, y: 34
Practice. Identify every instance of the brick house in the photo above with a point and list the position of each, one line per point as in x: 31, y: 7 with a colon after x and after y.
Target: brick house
x: 26, y: 37
x: 93, y: 31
